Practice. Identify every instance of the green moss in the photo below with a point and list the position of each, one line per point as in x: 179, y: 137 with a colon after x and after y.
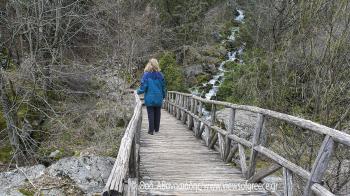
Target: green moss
x: 5, y: 154
x: 64, y: 152
x: 44, y: 151
x: 26, y: 192
x: 67, y: 136
x: 52, y: 95
x: 230, y: 65
x: 2, y: 121
x: 22, y: 112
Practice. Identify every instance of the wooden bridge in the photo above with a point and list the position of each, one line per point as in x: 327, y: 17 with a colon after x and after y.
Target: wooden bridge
x: 192, y: 154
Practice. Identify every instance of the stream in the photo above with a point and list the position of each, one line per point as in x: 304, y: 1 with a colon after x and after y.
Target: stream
x: 218, y: 78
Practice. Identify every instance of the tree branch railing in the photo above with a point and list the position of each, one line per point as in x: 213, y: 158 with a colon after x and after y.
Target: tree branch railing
x: 188, y: 109
x: 125, y: 172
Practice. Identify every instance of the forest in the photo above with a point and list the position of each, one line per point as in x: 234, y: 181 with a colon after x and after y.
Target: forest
x: 67, y: 67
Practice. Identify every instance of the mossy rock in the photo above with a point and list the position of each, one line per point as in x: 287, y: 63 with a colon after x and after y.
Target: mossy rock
x: 233, y: 45
x: 26, y: 192
x: 236, y: 23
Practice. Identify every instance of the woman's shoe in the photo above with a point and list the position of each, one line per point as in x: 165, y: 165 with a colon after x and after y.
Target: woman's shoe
x: 151, y: 133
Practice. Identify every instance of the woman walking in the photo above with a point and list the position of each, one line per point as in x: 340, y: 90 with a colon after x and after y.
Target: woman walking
x: 153, y: 85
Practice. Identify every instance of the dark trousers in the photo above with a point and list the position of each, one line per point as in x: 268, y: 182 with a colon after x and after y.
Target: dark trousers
x: 153, y: 118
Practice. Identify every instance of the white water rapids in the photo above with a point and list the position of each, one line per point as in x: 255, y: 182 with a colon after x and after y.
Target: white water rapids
x: 217, y: 79
x: 232, y: 56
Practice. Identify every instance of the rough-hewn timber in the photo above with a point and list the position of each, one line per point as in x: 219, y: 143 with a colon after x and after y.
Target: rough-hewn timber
x: 175, y: 155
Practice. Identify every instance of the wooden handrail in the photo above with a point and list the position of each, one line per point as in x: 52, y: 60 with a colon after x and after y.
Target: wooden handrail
x: 302, y: 123
x: 187, y: 107
x: 125, y: 169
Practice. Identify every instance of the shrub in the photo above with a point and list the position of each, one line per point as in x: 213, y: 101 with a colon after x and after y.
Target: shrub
x: 174, y: 77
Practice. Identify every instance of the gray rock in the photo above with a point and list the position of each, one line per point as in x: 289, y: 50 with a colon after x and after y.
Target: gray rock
x: 53, y: 192
x: 210, y: 60
x: 90, y: 173
x: 54, y: 154
x: 193, y: 70
x: 10, y: 181
x: 216, y: 36
x: 211, y: 68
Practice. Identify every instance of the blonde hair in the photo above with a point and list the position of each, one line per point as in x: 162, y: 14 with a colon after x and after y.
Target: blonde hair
x: 152, y: 66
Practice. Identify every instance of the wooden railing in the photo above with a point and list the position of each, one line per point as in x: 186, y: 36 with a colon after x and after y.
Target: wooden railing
x: 188, y: 109
x: 125, y: 173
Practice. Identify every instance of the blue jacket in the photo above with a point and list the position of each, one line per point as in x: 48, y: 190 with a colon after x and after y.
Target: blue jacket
x: 153, y: 85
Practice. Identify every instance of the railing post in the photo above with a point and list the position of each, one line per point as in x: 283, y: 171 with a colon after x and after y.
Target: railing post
x: 132, y: 160
x: 221, y: 139
x: 178, y: 115
x: 195, y: 112
x: 230, y: 128
x: 320, y: 165
x: 177, y: 96
x: 191, y: 123
x: 167, y: 98
x: 255, y: 142
x: 180, y: 106
x: 173, y: 102
x: 176, y: 103
x: 242, y: 160
x: 213, y: 114
x: 213, y: 136
x: 287, y: 182
x: 195, y: 120
x: 168, y: 101
x: 200, y: 128
x: 184, y: 113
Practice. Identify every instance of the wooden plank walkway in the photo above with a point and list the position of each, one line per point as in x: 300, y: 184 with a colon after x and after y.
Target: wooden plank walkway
x: 175, y: 156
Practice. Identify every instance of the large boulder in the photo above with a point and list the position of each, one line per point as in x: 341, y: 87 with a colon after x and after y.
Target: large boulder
x: 89, y: 173
x: 188, y: 55
x: 85, y: 175
x: 193, y: 70
x: 12, y: 180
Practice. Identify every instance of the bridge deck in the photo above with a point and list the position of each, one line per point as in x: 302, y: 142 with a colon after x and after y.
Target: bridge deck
x: 175, y: 156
